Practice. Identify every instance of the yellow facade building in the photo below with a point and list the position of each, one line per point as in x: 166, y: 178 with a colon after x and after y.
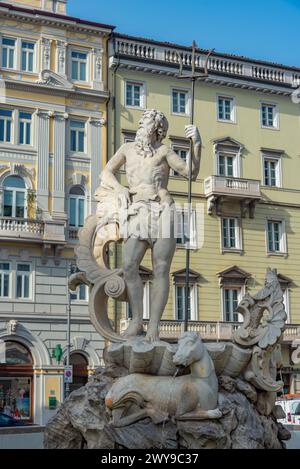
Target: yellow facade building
x: 53, y: 95
x: 246, y: 198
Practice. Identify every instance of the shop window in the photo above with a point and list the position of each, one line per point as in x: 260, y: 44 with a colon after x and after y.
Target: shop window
x: 16, y: 373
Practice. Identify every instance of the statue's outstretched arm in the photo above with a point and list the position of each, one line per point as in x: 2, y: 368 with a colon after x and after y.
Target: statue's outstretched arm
x: 177, y: 163
x: 107, y: 176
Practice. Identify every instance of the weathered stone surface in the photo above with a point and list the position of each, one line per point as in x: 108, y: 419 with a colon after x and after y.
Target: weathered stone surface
x: 84, y: 421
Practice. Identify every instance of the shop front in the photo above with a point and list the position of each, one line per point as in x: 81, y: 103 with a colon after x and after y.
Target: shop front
x: 16, y: 381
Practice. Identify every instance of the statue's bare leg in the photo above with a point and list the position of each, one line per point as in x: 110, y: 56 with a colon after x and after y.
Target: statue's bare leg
x: 133, y: 253
x: 162, y: 255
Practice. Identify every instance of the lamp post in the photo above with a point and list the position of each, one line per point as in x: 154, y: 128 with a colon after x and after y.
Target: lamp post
x: 71, y: 270
x: 193, y: 77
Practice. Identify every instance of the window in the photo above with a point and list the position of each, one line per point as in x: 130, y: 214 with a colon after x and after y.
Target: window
x: 271, y: 172
x: 24, y: 128
x: 76, y: 207
x: 16, y: 382
x: 134, y: 94
x: 77, y: 136
x: 269, y: 115
x: 183, y: 153
x: 23, y: 281
x: 231, y: 298
x: 5, y: 126
x: 226, y: 109
x: 276, y: 237
x: 182, y: 228
x: 230, y: 233
x: 81, y: 294
x: 14, y: 199
x: 79, y: 65
x: 27, y: 59
x: 8, y: 52
x: 180, y: 302
x: 4, y: 279
x: 226, y: 165
x: 146, y: 302
x: 180, y: 102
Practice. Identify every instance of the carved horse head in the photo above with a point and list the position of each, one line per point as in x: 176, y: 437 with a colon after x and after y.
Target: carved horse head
x: 190, y: 349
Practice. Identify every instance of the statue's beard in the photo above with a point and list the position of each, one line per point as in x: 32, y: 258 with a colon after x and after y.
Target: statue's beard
x: 143, y: 143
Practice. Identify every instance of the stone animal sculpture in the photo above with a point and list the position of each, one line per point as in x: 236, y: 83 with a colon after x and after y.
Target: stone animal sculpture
x: 189, y: 397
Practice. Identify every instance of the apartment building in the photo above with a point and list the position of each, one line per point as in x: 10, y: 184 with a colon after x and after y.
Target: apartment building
x: 53, y: 95
x: 246, y: 198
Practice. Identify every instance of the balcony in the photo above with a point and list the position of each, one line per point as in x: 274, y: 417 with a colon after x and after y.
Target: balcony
x: 73, y: 234
x: 21, y: 229
x: 219, y: 189
x: 210, y: 331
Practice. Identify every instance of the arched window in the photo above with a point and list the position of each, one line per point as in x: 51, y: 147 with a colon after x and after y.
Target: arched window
x: 76, y: 207
x: 16, y: 377
x: 14, y: 200
x: 80, y: 370
x: 17, y: 354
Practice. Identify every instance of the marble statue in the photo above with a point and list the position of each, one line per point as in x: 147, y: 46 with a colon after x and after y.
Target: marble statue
x: 153, y: 394
x: 142, y: 216
x: 190, y: 397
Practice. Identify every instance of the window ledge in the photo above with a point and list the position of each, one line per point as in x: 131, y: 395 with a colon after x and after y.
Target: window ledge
x: 180, y: 114
x: 266, y: 127
x: 225, y: 121
x: 277, y: 254
x: 233, y: 251
x: 140, y: 108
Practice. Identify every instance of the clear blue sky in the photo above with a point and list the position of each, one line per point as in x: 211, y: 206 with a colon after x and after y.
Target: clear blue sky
x: 262, y: 29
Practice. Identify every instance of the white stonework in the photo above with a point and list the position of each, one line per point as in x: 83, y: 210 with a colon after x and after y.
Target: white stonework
x: 59, y: 165
x: 96, y: 156
x: 43, y: 120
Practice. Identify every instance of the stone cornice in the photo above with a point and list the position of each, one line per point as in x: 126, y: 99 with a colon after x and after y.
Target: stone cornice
x: 78, y: 93
x: 228, y: 81
x: 53, y: 19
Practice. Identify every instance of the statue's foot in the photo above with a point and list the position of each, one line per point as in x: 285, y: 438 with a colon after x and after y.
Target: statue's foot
x: 134, y: 329
x: 200, y: 414
x: 152, y: 336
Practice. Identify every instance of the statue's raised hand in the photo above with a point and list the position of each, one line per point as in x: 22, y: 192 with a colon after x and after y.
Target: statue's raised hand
x: 192, y: 132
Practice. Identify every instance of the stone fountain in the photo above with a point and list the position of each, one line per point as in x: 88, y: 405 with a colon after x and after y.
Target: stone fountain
x: 154, y: 394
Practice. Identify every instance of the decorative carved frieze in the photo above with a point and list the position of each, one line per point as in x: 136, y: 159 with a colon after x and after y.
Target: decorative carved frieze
x: 46, y: 52
x: 61, y: 53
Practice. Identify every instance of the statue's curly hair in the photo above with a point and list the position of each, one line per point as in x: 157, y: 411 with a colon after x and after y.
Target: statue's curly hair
x: 160, y: 127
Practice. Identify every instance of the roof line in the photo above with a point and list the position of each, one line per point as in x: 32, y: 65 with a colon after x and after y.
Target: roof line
x: 66, y: 18
x: 205, y: 51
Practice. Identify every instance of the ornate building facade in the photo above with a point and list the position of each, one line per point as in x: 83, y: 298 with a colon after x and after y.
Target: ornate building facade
x: 246, y: 199
x: 53, y: 95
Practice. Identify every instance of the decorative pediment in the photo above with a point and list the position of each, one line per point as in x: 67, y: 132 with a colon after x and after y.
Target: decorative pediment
x: 179, y: 276
x: 285, y: 282
x: 233, y: 275
x: 228, y: 144
x: 129, y: 135
x: 49, y: 78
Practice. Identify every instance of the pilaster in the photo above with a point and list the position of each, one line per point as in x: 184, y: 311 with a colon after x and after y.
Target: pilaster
x: 43, y: 119
x: 59, y: 149
x: 46, y: 53
x: 96, y: 156
x: 98, y: 69
x: 61, y: 58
